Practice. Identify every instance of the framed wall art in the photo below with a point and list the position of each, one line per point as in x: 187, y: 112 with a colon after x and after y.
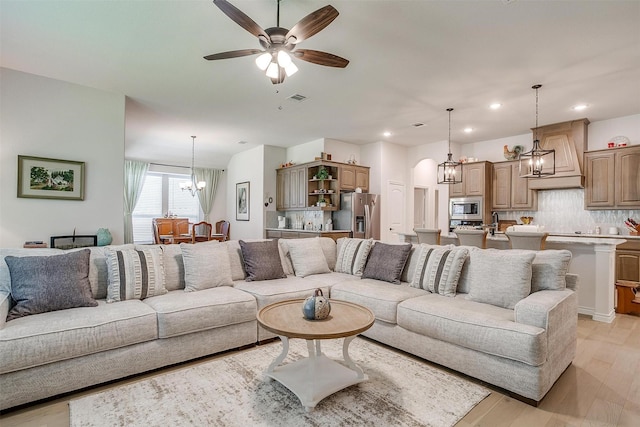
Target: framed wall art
x: 43, y: 178
x: 242, y: 201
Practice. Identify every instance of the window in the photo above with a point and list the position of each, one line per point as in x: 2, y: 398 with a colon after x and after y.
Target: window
x: 161, y: 195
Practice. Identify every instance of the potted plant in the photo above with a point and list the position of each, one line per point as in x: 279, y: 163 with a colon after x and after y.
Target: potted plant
x: 323, y: 173
x: 322, y: 202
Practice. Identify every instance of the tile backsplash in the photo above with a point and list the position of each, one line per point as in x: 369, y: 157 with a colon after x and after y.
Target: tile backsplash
x: 563, y: 211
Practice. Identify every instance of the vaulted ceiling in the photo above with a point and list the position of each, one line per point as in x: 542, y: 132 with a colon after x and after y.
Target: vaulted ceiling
x: 409, y: 61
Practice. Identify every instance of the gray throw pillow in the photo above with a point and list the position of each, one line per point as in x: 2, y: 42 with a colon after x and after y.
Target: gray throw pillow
x: 386, y: 262
x: 48, y: 283
x: 261, y: 260
x: 500, y: 277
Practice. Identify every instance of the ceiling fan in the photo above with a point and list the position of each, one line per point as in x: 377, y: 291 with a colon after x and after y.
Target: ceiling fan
x: 280, y: 43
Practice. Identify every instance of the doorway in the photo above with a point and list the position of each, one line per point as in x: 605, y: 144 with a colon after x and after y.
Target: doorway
x: 425, y: 207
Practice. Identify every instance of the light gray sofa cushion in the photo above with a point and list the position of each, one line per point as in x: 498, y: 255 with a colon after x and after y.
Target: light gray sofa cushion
x: 380, y: 297
x: 65, y: 334
x: 47, y: 283
x: 329, y: 249
x: 549, y: 270
x: 270, y: 291
x: 499, y: 277
x: 307, y: 257
x: 173, y: 267
x: 206, y: 265
x: 473, y: 325
x: 181, y: 313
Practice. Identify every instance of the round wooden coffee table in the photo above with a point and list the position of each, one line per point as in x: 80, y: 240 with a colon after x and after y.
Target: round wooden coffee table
x: 315, y: 377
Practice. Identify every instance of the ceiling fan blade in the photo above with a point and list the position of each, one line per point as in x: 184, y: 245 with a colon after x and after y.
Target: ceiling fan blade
x: 240, y: 18
x: 233, y: 54
x: 320, y: 58
x: 311, y: 24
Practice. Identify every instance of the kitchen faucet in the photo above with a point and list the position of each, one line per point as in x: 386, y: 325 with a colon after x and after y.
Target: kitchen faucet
x: 494, y: 220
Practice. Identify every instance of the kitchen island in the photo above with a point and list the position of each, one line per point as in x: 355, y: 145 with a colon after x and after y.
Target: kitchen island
x: 593, y: 260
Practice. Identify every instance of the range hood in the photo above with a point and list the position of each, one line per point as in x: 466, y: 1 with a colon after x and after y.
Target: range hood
x: 569, y: 139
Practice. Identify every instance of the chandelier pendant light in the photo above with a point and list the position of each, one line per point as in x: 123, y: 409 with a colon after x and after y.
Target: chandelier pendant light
x: 538, y: 162
x: 194, y: 185
x: 449, y: 171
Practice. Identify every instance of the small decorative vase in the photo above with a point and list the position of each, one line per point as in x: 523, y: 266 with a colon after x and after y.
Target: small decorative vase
x: 104, y: 237
x: 316, y: 307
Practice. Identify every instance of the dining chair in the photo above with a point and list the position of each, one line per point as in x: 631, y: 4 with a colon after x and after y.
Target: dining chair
x: 534, y: 241
x: 223, y: 227
x: 162, y: 230
x: 201, y: 232
x: 429, y: 236
x: 476, y: 238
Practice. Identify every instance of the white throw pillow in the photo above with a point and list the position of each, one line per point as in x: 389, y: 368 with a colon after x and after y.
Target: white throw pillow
x: 500, y: 277
x: 549, y: 270
x: 307, y: 257
x: 206, y: 265
x: 352, y: 255
x: 438, y: 269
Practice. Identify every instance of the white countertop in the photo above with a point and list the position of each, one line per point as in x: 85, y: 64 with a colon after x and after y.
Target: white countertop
x: 587, y: 239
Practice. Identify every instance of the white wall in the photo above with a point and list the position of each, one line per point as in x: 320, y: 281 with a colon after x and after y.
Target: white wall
x: 248, y: 166
x: 43, y: 117
x: 342, y: 151
x: 303, y: 153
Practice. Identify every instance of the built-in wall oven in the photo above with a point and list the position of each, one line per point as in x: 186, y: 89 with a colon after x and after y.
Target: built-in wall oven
x: 465, y: 208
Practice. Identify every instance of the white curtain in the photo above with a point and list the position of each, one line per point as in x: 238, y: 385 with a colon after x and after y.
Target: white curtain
x: 208, y: 193
x: 134, y: 175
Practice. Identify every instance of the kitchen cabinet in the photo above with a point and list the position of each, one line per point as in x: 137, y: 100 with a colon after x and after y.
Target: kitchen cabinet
x: 509, y: 191
x: 628, y: 261
x: 352, y: 177
x: 612, y: 178
x: 476, y: 178
x: 291, y: 188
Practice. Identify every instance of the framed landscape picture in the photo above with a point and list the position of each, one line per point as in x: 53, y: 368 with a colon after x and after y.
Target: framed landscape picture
x: 42, y: 178
x: 242, y: 201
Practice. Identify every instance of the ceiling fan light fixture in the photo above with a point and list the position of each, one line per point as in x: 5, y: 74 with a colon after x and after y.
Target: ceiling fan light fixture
x: 284, y: 59
x: 263, y: 61
x: 272, y: 70
x: 290, y: 69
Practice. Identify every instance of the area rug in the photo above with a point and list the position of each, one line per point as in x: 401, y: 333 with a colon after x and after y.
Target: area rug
x: 232, y: 391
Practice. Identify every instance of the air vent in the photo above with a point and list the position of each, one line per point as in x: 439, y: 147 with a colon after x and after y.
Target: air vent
x: 417, y: 125
x: 297, y: 97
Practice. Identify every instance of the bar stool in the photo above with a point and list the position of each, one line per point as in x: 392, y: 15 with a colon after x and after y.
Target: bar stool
x: 428, y: 235
x: 534, y: 241
x: 472, y: 237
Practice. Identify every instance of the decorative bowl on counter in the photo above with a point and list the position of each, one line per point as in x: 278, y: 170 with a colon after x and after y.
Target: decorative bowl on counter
x: 526, y: 220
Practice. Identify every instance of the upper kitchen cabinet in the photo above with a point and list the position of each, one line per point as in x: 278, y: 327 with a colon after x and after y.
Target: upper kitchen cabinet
x: 291, y: 188
x: 612, y: 178
x: 476, y: 179
x: 352, y: 177
x: 509, y: 191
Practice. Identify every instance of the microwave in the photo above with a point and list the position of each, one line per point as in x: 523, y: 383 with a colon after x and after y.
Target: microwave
x: 466, y: 208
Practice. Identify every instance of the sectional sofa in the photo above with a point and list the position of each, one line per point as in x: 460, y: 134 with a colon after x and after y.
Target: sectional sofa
x: 508, y: 318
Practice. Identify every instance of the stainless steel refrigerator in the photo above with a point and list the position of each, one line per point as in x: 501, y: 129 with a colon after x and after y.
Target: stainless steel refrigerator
x: 360, y: 213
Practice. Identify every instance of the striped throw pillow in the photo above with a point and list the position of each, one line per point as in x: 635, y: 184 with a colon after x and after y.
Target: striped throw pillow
x: 135, y: 274
x: 438, y: 269
x: 352, y: 255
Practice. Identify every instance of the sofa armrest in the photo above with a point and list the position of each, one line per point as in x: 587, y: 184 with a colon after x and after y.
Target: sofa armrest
x: 572, y: 281
x: 538, y: 308
x: 5, y: 302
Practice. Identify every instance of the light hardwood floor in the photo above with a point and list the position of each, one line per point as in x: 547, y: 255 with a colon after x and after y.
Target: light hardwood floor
x: 600, y: 388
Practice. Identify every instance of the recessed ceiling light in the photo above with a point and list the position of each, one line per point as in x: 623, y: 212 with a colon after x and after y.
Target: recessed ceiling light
x: 495, y: 105
x: 386, y: 133
x: 579, y: 107
x: 468, y: 130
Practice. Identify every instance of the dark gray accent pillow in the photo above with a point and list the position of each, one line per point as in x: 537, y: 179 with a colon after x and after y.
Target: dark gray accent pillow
x: 47, y: 283
x: 261, y: 260
x: 386, y: 262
